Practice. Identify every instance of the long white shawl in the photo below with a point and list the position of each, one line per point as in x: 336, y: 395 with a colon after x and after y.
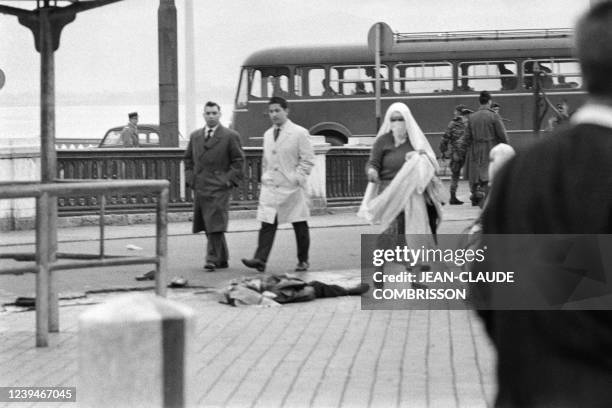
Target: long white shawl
x: 405, y: 192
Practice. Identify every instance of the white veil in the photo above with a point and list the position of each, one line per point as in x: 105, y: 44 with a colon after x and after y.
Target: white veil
x: 415, y: 134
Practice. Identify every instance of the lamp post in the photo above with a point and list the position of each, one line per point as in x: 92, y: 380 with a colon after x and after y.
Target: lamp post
x: 168, y: 73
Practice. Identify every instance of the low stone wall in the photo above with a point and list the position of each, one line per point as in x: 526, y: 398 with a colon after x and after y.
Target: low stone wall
x: 19, y: 161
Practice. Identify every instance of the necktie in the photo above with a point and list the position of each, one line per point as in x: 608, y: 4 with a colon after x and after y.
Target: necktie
x: 276, y: 133
x: 209, y: 134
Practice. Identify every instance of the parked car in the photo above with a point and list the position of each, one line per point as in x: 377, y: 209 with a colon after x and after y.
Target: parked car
x: 148, y: 136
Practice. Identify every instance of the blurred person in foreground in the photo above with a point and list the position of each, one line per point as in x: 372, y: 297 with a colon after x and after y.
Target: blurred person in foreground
x: 561, y: 185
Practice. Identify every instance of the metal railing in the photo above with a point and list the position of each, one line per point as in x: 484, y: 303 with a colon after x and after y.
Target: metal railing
x: 484, y: 35
x: 143, y: 164
x: 47, y: 307
x: 345, y: 174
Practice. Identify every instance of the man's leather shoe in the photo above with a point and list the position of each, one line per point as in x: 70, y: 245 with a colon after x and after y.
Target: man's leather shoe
x: 223, y: 265
x: 455, y: 201
x: 302, y: 267
x: 255, y: 264
x: 209, y: 266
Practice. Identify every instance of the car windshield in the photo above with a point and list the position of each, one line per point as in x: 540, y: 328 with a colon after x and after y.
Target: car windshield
x: 112, y: 139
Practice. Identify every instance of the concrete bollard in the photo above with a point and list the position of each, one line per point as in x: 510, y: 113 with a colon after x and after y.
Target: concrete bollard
x: 136, y: 351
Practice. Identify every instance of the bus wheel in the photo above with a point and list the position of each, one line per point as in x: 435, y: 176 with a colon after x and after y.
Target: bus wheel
x: 333, y: 138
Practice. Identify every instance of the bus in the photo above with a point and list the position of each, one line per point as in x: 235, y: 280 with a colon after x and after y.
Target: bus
x: 330, y: 89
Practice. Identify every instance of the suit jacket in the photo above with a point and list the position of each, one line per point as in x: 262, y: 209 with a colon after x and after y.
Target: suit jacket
x: 212, y: 169
x: 562, y: 185
x: 286, y: 164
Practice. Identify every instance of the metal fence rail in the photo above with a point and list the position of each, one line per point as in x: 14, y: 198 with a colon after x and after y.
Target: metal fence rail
x: 143, y: 164
x: 47, y: 307
x: 345, y: 174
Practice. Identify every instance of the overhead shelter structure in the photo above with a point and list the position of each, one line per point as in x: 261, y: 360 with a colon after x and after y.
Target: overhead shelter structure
x: 46, y: 19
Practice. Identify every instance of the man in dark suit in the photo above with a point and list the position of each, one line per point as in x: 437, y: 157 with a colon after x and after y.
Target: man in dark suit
x: 561, y: 185
x: 214, y: 163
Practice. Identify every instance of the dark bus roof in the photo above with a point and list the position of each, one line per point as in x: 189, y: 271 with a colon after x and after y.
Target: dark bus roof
x: 418, y: 51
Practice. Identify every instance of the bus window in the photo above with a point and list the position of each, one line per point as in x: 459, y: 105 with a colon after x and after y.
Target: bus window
x: 257, y: 87
x: 309, y: 81
x: 278, y: 86
x: 316, y: 82
x: 267, y: 82
x: 558, y: 74
x: 242, y: 95
x: 487, y: 75
x: 423, y: 78
x: 356, y: 80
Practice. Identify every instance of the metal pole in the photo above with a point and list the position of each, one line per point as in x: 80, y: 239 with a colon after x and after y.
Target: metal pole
x: 168, y: 73
x: 190, y: 86
x: 161, y: 267
x: 101, y: 222
x: 42, y: 275
x: 377, y: 74
x: 537, y: 99
x: 48, y: 155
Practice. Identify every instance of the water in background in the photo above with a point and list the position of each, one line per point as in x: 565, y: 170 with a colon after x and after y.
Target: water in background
x: 88, y: 121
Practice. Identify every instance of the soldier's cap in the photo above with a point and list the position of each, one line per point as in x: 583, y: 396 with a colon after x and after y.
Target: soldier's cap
x: 466, y: 111
x: 460, y: 108
x: 495, y: 105
x: 132, y: 115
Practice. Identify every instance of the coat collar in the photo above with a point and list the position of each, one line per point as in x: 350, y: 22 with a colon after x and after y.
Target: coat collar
x: 284, y: 132
x: 214, y: 139
x: 593, y: 113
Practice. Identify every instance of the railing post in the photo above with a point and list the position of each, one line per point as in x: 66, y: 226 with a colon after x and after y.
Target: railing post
x: 102, y: 199
x: 42, y: 275
x: 317, y: 179
x: 161, y: 267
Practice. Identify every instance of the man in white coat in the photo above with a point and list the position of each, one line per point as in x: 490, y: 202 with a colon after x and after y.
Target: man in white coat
x: 288, y: 158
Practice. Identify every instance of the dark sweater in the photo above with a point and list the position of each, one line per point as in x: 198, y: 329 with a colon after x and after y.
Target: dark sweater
x: 386, y: 158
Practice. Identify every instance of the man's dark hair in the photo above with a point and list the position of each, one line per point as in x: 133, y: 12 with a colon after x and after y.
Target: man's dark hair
x: 277, y: 99
x: 484, y: 97
x: 594, y: 48
x: 211, y: 104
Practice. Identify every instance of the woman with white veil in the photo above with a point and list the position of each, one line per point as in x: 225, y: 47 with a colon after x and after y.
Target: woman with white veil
x: 403, y: 194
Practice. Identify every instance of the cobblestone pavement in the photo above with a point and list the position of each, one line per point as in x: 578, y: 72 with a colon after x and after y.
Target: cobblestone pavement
x: 325, y: 353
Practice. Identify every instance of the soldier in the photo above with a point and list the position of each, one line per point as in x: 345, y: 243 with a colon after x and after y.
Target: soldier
x: 484, y: 130
x: 129, y: 134
x: 452, y: 148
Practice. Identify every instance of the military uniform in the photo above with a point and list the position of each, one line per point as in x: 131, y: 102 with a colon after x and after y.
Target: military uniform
x: 129, y: 135
x: 451, y: 143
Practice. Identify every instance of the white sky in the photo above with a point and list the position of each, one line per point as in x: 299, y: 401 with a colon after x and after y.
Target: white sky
x: 114, y: 48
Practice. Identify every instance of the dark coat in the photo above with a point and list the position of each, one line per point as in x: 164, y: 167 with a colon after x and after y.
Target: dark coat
x: 562, y: 185
x: 483, y: 131
x: 212, y: 169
